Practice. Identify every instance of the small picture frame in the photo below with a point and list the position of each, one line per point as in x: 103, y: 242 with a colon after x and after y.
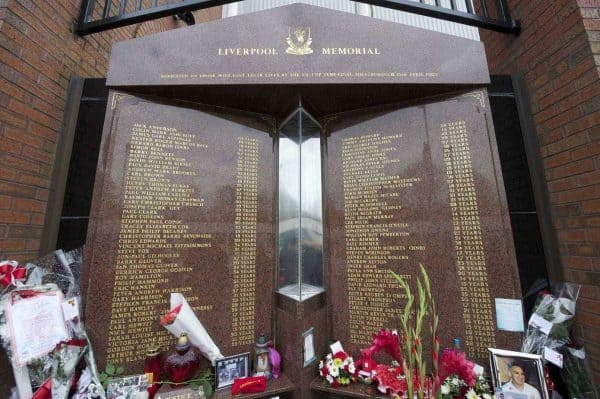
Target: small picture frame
x: 517, y: 375
x: 308, y: 343
x: 127, y: 387
x: 230, y: 368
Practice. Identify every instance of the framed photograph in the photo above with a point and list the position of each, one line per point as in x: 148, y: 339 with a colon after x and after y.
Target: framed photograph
x: 308, y: 341
x: 230, y: 368
x: 517, y: 375
x: 130, y: 387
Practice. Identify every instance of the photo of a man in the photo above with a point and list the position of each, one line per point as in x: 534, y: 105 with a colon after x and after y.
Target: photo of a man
x: 517, y: 384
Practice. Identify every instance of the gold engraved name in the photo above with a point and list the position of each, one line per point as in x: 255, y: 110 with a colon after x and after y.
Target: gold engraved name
x: 244, y: 51
x: 350, y: 51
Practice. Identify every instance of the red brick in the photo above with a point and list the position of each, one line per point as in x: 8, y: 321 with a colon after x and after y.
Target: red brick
x: 563, y: 184
x: 7, y: 245
x: 18, y: 190
x: 30, y: 205
x: 571, y: 235
x: 551, y: 136
x: 578, y: 194
x: 589, y: 178
x: 593, y: 235
x: 582, y: 250
x: 582, y: 95
x: 37, y: 181
x: 585, y: 122
x: 8, y: 146
x: 32, y: 245
x: 589, y: 292
x: 588, y: 319
x: 5, y: 201
x: 42, y: 131
x: 592, y: 221
x: 577, y: 262
x: 585, y: 151
x: 572, y: 223
x: 11, y: 217
x: 17, y: 231
x: 42, y: 194
x: 38, y: 219
x: 15, y: 63
x: 12, y: 118
x: 8, y: 173
x: 22, y: 137
x: 37, y: 155
x: 573, y: 168
x: 557, y: 159
x: 567, y: 143
x: 14, y: 91
x: 588, y: 207
x: 21, y: 163
x: 33, y: 114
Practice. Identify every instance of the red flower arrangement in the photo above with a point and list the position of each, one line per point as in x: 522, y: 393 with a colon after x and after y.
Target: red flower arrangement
x: 455, y: 362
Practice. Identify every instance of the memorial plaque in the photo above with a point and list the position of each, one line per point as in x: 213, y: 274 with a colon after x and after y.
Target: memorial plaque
x: 419, y: 185
x: 183, y: 203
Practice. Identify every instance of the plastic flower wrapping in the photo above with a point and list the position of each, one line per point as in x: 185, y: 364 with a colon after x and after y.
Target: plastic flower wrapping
x: 337, y: 369
x: 61, y: 368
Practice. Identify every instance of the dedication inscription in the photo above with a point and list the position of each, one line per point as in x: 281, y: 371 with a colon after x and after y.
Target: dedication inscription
x: 179, y: 211
x: 418, y: 187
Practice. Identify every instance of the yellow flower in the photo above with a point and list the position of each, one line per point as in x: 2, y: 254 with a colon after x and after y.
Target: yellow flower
x: 337, y: 362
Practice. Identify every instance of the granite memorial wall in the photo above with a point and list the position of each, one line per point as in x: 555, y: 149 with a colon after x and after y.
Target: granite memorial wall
x: 418, y: 185
x: 186, y: 193
x: 184, y: 205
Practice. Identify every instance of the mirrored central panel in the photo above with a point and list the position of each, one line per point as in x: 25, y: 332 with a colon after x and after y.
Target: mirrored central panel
x: 300, y: 207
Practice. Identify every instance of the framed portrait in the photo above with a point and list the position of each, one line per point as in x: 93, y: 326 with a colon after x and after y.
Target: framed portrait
x: 517, y: 375
x: 230, y: 368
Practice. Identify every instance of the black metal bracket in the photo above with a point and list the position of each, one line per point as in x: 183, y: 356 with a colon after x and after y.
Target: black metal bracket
x: 93, y: 21
x: 504, y: 25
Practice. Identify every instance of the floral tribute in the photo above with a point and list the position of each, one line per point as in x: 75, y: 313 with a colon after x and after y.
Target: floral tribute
x: 337, y: 369
x: 452, y: 375
x: 459, y: 377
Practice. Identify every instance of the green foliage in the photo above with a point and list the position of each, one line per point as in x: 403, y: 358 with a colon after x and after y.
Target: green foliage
x: 204, y: 380
x: 111, y: 371
x: 412, y: 318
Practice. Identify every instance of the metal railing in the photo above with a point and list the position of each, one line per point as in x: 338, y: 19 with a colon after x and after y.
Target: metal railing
x: 101, y: 15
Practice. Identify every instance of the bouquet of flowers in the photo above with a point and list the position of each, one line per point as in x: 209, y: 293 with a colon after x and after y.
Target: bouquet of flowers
x: 459, y: 379
x: 337, y: 369
x: 455, y: 387
x: 552, y: 318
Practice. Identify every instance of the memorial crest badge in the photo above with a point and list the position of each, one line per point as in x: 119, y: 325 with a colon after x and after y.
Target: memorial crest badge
x: 299, y: 41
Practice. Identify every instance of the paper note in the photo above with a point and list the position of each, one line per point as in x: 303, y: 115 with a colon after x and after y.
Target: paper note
x: 538, y: 321
x: 336, y: 347
x: 553, y: 357
x: 36, y: 325
x: 509, y: 315
x: 70, y: 308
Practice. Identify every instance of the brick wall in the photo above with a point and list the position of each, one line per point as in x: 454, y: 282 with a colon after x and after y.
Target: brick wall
x: 558, y: 52
x: 38, y: 55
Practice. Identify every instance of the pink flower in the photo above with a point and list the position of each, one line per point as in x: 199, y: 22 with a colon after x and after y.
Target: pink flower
x: 171, y: 316
x: 454, y: 362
